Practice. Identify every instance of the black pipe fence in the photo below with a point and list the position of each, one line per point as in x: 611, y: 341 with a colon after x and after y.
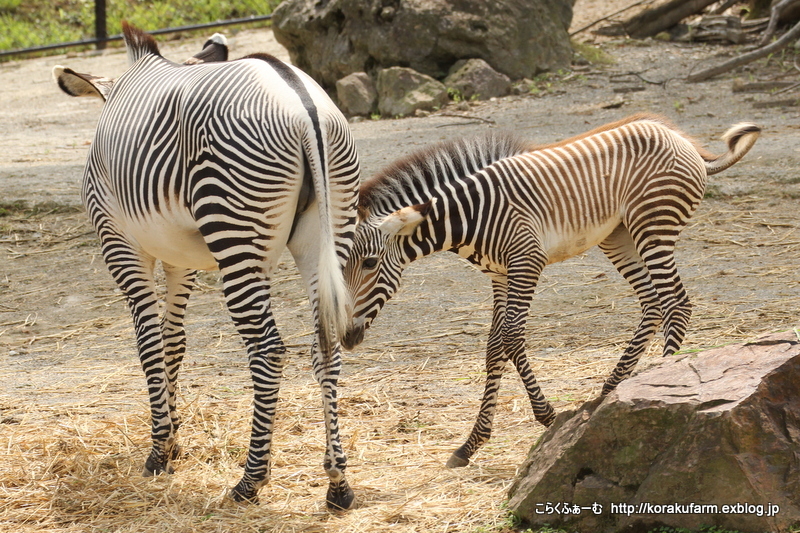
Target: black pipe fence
x: 102, y: 37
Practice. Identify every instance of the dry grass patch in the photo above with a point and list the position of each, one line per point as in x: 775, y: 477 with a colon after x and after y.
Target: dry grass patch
x: 74, y: 424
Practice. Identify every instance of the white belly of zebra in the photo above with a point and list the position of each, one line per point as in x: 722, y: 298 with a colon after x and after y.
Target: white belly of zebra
x: 175, y: 242
x: 563, y: 243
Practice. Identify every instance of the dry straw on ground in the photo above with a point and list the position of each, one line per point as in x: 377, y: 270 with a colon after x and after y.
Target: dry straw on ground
x: 74, y: 419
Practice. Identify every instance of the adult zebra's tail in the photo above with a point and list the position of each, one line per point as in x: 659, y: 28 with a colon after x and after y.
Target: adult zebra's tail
x: 739, y: 138
x: 334, y: 297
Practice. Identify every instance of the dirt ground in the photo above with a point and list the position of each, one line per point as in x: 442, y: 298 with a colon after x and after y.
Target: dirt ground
x: 72, y: 398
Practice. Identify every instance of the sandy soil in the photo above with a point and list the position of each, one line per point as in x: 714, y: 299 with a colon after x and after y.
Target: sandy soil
x: 67, y: 351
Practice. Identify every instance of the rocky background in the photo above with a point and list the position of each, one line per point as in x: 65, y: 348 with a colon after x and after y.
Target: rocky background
x: 403, y: 58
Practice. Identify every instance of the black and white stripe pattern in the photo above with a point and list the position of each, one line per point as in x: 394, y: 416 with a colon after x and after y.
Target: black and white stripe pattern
x: 511, y: 209
x: 223, y: 165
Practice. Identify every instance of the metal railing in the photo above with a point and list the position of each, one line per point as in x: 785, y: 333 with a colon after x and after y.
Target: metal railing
x: 102, y: 37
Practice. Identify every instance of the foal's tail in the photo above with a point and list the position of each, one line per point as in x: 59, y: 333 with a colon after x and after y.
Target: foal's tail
x: 739, y: 138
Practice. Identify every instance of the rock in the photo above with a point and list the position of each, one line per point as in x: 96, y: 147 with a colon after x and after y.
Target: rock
x: 523, y: 86
x: 403, y: 91
x: 474, y: 78
x: 333, y: 38
x: 356, y: 94
x: 716, y: 428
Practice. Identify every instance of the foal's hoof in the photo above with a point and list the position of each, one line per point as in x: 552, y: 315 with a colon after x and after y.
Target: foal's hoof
x: 548, y: 417
x: 607, y: 389
x: 457, y: 461
x: 340, y: 496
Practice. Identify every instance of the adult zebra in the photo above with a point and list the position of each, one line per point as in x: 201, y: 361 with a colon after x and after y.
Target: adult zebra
x: 222, y: 165
x: 510, y: 209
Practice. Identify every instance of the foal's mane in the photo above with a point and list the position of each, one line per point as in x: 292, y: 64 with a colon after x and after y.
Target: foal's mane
x: 421, y: 169
x: 638, y: 117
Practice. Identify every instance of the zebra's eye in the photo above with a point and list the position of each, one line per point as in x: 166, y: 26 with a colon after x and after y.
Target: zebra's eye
x: 369, y: 263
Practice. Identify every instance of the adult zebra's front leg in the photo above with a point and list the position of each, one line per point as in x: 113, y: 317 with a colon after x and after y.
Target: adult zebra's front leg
x: 133, y: 272
x: 180, y: 282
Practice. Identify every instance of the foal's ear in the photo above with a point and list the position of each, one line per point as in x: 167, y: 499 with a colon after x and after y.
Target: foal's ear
x: 405, y: 221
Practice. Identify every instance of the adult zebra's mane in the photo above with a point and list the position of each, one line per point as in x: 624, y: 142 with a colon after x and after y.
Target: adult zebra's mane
x: 411, y: 179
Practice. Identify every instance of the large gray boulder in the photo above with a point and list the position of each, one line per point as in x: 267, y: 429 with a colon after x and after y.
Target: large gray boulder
x: 356, y: 94
x: 475, y: 79
x: 718, y: 428
x: 404, y: 91
x: 330, y: 39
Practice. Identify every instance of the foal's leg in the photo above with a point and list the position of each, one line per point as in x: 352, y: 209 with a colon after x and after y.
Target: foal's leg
x: 674, y: 301
x: 507, y: 341
x: 523, y: 276
x: 621, y: 251
x: 496, y: 360
x: 655, y: 234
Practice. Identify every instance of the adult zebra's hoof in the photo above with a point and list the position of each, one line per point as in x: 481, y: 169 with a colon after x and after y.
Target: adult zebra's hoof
x: 340, y: 496
x: 156, y: 465
x: 241, y: 495
x: 458, y: 460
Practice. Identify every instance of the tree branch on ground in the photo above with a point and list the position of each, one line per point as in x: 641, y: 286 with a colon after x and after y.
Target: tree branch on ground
x: 775, y: 15
x: 749, y: 57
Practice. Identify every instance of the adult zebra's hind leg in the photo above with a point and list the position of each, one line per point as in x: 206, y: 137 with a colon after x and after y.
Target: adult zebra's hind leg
x: 621, y: 251
x: 247, y: 295
x: 326, y: 361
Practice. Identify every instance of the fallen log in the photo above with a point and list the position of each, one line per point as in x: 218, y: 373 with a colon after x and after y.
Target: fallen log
x: 662, y: 17
x: 749, y: 57
x: 720, y: 28
x: 615, y: 13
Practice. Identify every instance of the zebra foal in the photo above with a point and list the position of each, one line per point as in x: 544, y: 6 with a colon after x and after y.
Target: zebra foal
x: 221, y: 165
x: 510, y: 209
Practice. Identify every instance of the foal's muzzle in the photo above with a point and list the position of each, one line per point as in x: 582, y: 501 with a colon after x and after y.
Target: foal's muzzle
x: 353, y: 337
